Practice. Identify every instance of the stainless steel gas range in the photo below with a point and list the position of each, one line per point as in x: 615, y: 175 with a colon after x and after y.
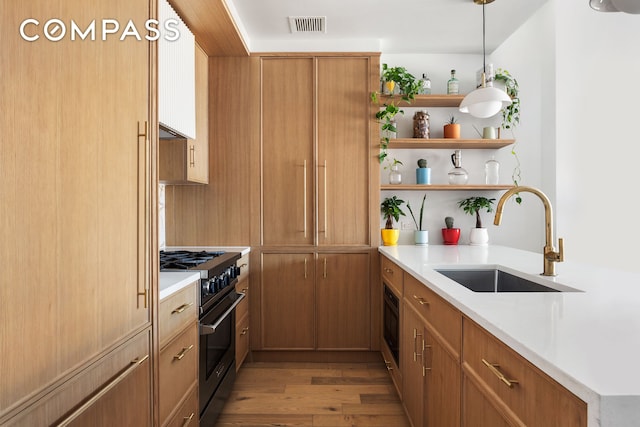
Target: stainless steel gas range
x: 217, y: 302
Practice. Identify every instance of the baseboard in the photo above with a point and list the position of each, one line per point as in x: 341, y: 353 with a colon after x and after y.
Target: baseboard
x: 316, y: 356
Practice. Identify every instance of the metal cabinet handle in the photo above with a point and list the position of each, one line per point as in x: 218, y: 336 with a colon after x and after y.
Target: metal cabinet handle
x: 187, y: 420
x: 420, y: 300
x: 304, y: 200
x: 324, y: 273
x: 493, y: 367
x: 244, y: 331
x: 144, y: 166
x: 184, y: 351
x: 210, y: 329
x: 106, y: 389
x: 388, y: 365
x: 305, y: 268
x: 192, y: 156
x: 388, y: 270
x: 182, y: 308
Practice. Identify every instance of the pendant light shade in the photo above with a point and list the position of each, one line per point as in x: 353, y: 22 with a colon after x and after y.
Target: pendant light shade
x: 485, y: 101
x: 627, y: 6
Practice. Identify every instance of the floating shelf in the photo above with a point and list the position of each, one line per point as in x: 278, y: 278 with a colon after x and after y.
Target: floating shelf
x: 424, y: 100
x: 445, y: 187
x: 449, y: 143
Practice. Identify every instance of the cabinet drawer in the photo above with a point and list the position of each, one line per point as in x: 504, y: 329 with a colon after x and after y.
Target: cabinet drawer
x: 243, y: 307
x: 187, y: 413
x: 178, y: 369
x: 534, y: 397
x: 242, y: 340
x: 393, y: 369
x: 176, y: 312
x: 392, y: 275
x: 444, y: 319
x: 243, y: 263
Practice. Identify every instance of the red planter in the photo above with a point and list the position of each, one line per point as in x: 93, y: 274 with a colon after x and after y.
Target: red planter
x: 450, y: 236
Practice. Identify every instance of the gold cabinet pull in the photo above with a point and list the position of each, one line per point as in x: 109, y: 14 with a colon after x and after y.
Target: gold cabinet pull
x: 187, y: 420
x: 106, y: 389
x: 324, y: 273
x: 420, y: 300
x: 244, y: 290
x: 388, y: 365
x: 388, y: 270
x: 304, y: 201
x: 305, y: 268
x: 415, y: 344
x: 326, y: 225
x: 192, y: 155
x: 144, y: 189
x: 184, y: 351
x: 244, y: 331
x: 493, y: 367
x: 424, y: 359
x: 182, y: 308
x: 244, y: 265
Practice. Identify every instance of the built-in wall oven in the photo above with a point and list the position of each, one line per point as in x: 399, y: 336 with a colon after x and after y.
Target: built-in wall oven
x: 217, y: 323
x: 391, y: 323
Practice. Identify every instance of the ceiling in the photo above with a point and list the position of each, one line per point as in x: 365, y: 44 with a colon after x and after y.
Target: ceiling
x: 400, y: 26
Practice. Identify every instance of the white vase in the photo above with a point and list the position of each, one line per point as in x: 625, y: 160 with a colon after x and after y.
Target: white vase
x: 479, y: 237
x: 421, y: 237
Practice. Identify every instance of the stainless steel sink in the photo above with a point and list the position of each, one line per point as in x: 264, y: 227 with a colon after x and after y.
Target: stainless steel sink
x: 496, y: 280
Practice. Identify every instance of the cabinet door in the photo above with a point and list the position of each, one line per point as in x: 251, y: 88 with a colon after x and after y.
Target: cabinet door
x: 343, y: 141
x: 287, y: 304
x: 342, y: 301
x: 411, y: 353
x: 477, y: 409
x: 198, y: 166
x: 287, y: 154
x: 75, y: 194
x: 442, y: 385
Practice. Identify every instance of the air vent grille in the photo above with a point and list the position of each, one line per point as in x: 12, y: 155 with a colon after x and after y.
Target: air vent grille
x: 308, y: 24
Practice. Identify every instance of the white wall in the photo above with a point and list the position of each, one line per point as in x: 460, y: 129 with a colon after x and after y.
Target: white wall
x: 597, y: 148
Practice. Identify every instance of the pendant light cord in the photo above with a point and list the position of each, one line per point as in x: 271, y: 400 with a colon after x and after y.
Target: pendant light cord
x: 484, y: 55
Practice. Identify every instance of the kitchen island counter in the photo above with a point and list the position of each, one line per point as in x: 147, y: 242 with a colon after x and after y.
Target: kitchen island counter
x: 588, y: 341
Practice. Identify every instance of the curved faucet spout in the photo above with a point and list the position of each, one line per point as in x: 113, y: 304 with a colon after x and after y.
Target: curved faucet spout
x: 550, y: 254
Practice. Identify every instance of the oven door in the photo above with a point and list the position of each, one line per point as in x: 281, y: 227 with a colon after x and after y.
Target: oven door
x: 391, y: 322
x: 217, y: 356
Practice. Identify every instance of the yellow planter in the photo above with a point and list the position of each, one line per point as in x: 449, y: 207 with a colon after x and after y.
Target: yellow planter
x: 390, y: 236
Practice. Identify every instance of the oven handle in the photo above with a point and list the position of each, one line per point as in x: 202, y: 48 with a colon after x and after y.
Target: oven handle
x: 210, y: 329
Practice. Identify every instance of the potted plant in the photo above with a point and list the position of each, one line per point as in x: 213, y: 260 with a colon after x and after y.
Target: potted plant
x: 452, y: 128
x: 473, y: 206
x: 450, y: 235
x: 420, y: 236
x: 390, y: 208
x: 423, y: 173
x: 395, y: 176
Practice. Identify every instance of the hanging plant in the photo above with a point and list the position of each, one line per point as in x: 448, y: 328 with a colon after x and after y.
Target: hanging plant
x: 511, y: 118
x: 409, y: 87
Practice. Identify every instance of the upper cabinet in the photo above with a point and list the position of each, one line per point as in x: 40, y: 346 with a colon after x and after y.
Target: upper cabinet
x: 186, y: 161
x: 176, y: 76
x: 315, y: 150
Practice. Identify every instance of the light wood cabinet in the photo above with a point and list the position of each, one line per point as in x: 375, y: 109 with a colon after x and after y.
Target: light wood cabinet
x: 315, y: 147
x: 514, y: 387
x: 242, y: 312
x: 186, y: 161
x: 76, y: 201
x: 316, y: 301
x: 178, y: 364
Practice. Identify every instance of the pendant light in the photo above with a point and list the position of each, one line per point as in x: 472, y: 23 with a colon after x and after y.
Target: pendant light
x: 627, y: 6
x: 485, y: 101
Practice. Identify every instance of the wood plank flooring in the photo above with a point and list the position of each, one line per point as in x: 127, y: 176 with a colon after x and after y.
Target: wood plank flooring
x: 313, y: 395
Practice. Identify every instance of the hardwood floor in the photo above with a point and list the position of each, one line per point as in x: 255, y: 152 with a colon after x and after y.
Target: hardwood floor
x: 313, y: 395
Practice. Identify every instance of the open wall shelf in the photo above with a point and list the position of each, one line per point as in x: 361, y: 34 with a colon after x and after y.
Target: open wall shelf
x: 444, y: 187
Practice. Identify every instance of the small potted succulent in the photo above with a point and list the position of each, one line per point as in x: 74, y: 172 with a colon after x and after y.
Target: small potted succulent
x: 391, y: 210
x: 473, y: 206
x: 452, y: 128
x: 420, y: 236
x: 423, y: 173
x: 450, y: 235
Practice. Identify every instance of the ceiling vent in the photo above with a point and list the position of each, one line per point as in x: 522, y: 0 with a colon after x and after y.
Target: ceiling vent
x: 308, y: 24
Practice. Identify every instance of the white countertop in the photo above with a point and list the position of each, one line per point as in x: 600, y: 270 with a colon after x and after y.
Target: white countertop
x: 242, y: 249
x: 172, y: 281
x: 588, y: 341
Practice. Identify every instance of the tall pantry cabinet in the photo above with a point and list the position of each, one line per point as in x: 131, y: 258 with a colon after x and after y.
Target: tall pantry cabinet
x: 76, y: 217
x: 316, y: 202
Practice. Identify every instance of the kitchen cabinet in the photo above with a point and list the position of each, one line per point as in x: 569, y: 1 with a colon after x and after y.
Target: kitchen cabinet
x: 511, y: 386
x: 77, y: 212
x: 242, y: 312
x: 316, y: 301
x: 315, y: 145
x: 186, y: 161
x: 430, y: 357
x: 178, y: 364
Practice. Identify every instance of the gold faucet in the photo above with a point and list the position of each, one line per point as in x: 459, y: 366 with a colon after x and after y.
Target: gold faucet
x: 550, y: 254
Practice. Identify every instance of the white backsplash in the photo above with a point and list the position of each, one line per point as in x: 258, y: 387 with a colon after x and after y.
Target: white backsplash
x: 162, y: 240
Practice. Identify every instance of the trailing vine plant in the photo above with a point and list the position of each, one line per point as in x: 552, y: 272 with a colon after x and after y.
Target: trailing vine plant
x: 408, y: 87
x: 511, y: 118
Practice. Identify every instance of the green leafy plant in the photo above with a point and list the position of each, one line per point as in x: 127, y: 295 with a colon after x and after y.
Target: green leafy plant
x: 418, y: 224
x: 473, y: 206
x: 511, y: 117
x: 448, y: 221
x: 409, y: 87
x: 391, y: 210
x: 452, y: 121
x: 393, y: 163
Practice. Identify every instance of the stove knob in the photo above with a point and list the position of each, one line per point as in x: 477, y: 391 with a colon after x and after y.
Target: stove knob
x: 205, y: 287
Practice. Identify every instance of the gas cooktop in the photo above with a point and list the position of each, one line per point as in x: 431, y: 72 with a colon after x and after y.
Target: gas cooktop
x: 207, y: 263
